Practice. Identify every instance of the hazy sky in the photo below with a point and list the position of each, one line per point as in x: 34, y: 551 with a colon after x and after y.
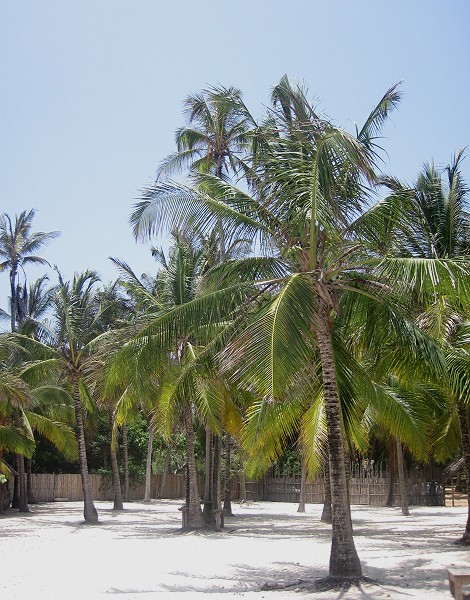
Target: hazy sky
x: 92, y: 93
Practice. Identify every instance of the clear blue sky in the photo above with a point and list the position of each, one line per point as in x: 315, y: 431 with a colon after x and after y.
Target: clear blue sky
x: 92, y: 93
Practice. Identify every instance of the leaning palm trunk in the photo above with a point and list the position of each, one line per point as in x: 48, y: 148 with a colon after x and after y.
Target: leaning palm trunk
x: 114, y: 465
x: 89, y: 511
x: 148, y: 465
x: 402, y: 480
x: 344, y: 560
x: 462, y: 410
x: 195, y: 517
x: 303, y: 487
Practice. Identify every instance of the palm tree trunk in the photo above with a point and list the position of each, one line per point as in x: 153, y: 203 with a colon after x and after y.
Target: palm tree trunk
x: 89, y: 511
x: 326, y: 516
x: 242, y: 477
x: 208, y: 477
x: 393, y: 468
x: 216, y: 495
x: 125, y: 452
x: 462, y: 411
x: 23, y: 506
x: 402, y: 480
x: 166, y: 464
x: 29, y: 485
x: 195, y: 517
x: 13, y: 300
x: 148, y: 465
x: 114, y: 465
x: 15, y: 501
x: 344, y: 560
x: 227, y: 476
x: 303, y: 487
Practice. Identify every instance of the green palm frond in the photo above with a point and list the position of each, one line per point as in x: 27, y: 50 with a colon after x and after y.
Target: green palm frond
x: 275, y: 346
x: 59, y: 434
x: 458, y: 362
x: 178, y: 207
x: 14, y: 439
x: 268, y: 428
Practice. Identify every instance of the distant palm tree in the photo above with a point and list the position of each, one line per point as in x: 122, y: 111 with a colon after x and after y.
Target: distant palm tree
x: 17, y: 247
x: 216, y: 137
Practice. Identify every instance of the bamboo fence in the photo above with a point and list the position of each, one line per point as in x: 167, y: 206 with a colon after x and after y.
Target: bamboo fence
x: 366, y: 490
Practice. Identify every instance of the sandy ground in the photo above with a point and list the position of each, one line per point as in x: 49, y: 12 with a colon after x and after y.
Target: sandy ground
x: 141, y: 553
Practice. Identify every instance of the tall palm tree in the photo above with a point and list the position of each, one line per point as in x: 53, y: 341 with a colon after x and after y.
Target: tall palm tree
x: 311, y: 187
x: 436, y: 225
x: 17, y: 248
x: 68, y: 352
x: 216, y: 137
x: 175, y: 285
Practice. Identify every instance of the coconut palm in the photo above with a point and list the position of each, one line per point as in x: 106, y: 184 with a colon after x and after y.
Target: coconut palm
x: 68, y: 352
x: 436, y: 225
x: 216, y: 137
x: 311, y: 188
x: 175, y: 285
x: 17, y: 248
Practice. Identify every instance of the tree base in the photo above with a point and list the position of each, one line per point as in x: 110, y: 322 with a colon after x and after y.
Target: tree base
x: 326, y: 584
x: 464, y: 540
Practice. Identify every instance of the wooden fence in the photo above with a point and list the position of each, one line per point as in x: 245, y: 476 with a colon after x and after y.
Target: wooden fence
x: 50, y: 487
x: 367, y: 491
x: 370, y: 491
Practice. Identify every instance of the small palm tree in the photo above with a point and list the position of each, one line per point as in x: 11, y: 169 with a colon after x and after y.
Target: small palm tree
x: 17, y: 248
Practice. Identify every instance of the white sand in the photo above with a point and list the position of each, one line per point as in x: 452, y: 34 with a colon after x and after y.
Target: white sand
x: 141, y: 553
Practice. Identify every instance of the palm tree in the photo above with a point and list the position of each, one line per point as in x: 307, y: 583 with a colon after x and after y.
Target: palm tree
x: 437, y: 226
x: 311, y: 188
x: 68, y: 352
x: 17, y: 247
x: 216, y: 137
x: 175, y: 285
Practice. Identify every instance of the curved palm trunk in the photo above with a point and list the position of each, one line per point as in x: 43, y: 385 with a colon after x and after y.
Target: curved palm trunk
x: 402, y: 480
x: 125, y: 452
x: 344, y: 560
x: 148, y: 465
x: 195, y: 517
x: 114, y: 465
x: 462, y: 411
x: 89, y: 511
x: 303, y: 487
